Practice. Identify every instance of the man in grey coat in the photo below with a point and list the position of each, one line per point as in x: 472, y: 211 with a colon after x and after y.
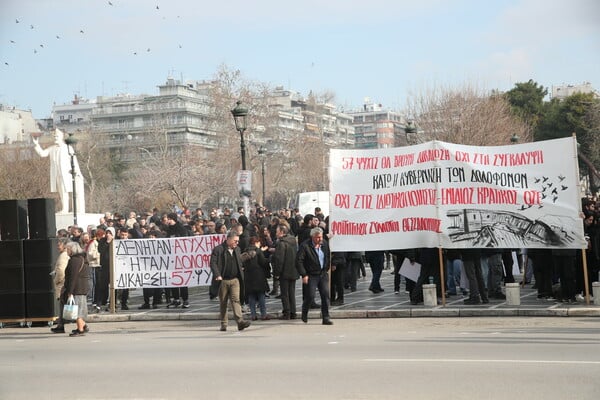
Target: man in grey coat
x: 284, y: 269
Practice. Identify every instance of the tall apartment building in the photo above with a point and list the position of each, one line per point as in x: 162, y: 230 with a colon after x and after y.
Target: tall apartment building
x: 316, y: 121
x: 376, y: 127
x: 130, y: 124
x: 136, y: 125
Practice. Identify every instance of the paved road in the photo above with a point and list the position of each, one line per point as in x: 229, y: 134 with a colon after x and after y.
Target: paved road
x: 418, y: 358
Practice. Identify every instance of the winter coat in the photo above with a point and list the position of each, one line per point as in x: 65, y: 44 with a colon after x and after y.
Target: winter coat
x: 307, y: 259
x: 76, y: 276
x: 256, y: 270
x: 284, y: 258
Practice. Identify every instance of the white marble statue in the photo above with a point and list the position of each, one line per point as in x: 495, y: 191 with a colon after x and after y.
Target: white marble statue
x: 60, y: 172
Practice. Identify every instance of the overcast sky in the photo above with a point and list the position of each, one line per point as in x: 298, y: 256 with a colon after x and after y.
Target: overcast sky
x: 382, y: 49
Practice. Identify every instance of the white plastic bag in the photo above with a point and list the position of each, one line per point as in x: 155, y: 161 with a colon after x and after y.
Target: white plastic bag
x: 70, y: 310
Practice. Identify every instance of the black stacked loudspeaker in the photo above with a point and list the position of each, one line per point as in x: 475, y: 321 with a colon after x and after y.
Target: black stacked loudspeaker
x: 39, y: 256
x: 26, y: 286
x: 42, y: 220
x: 12, y: 280
x: 13, y: 219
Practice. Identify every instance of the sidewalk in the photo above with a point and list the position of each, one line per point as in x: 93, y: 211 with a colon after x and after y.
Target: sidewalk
x: 360, y: 304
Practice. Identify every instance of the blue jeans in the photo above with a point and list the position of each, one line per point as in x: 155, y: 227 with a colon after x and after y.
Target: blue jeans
x: 485, y: 270
x: 453, y: 275
x: 252, y: 299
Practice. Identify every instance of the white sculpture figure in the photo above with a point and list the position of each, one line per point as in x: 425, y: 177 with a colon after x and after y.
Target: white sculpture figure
x: 60, y: 171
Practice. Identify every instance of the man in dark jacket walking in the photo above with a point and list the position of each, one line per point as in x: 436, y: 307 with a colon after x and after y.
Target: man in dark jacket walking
x: 226, y: 263
x: 313, y: 265
x: 284, y: 269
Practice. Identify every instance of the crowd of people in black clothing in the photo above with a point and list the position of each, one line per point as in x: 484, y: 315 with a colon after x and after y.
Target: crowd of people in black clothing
x: 478, y: 273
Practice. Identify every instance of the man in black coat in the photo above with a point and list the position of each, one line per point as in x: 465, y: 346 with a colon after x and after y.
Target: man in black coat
x: 176, y: 229
x: 226, y: 263
x: 313, y: 264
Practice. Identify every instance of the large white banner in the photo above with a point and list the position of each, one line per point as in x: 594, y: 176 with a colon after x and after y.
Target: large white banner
x: 439, y: 194
x: 172, y: 262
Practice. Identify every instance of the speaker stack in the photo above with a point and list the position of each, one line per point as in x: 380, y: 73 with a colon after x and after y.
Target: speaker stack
x: 12, y: 280
x: 13, y: 219
x: 39, y: 256
x: 26, y: 286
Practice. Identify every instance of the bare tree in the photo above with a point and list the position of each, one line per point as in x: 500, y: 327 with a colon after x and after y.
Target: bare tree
x: 23, y: 175
x: 466, y: 115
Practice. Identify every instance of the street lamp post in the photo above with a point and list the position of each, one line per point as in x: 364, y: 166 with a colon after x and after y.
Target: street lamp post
x: 71, y: 142
x: 262, y: 152
x: 240, y: 114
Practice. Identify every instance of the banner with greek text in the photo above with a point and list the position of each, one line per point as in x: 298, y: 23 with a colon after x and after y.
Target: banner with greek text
x: 439, y: 194
x: 172, y: 262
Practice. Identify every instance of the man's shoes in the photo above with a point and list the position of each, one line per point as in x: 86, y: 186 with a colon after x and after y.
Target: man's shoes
x: 304, y: 318
x: 498, y: 296
x: 315, y: 306
x: 327, y: 322
x: 144, y: 306
x: 124, y: 307
x: 278, y: 296
x: 185, y: 305
x: 77, y: 332
x: 223, y: 328
x: 96, y: 309
x: 337, y: 303
x: 285, y: 317
x: 243, y: 325
x: 293, y: 316
x: 265, y: 318
x: 254, y: 318
x: 58, y: 329
x: 154, y: 306
x: 174, y: 304
x: 472, y: 301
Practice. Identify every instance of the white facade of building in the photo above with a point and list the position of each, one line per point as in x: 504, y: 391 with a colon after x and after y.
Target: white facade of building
x: 16, y: 126
x: 563, y: 91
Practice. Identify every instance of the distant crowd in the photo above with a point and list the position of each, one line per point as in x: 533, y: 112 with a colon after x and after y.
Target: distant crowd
x: 477, y: 274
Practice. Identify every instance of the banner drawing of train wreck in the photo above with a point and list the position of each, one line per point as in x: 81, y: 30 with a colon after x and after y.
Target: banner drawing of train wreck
x: 505, y: 229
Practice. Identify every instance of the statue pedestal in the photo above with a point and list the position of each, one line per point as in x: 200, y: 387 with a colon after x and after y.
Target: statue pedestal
x: 63, y: 221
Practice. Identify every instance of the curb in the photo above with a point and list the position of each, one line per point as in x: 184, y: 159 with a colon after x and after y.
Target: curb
x: 366, y: 314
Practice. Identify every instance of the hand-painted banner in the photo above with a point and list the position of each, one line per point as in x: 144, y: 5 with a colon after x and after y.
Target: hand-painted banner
x: 439, y: 194
x: 172, y: 262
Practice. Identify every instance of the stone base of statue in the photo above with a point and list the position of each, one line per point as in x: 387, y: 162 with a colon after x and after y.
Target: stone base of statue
x: 64, y: 220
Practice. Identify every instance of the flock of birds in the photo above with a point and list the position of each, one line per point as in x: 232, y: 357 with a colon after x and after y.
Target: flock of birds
x: 548, y: 189
x: 81, y: 31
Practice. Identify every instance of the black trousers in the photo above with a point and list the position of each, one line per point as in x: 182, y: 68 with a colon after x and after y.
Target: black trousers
x: 475, y: 278
x: 315, y: 282
x: 288, y: 296
x: 337, y: 282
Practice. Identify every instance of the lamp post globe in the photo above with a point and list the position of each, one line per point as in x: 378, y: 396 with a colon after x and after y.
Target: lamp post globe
x: 240, y: 114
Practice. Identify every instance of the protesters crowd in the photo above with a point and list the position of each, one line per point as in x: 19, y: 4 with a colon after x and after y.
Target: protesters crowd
x: 273, y: 257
